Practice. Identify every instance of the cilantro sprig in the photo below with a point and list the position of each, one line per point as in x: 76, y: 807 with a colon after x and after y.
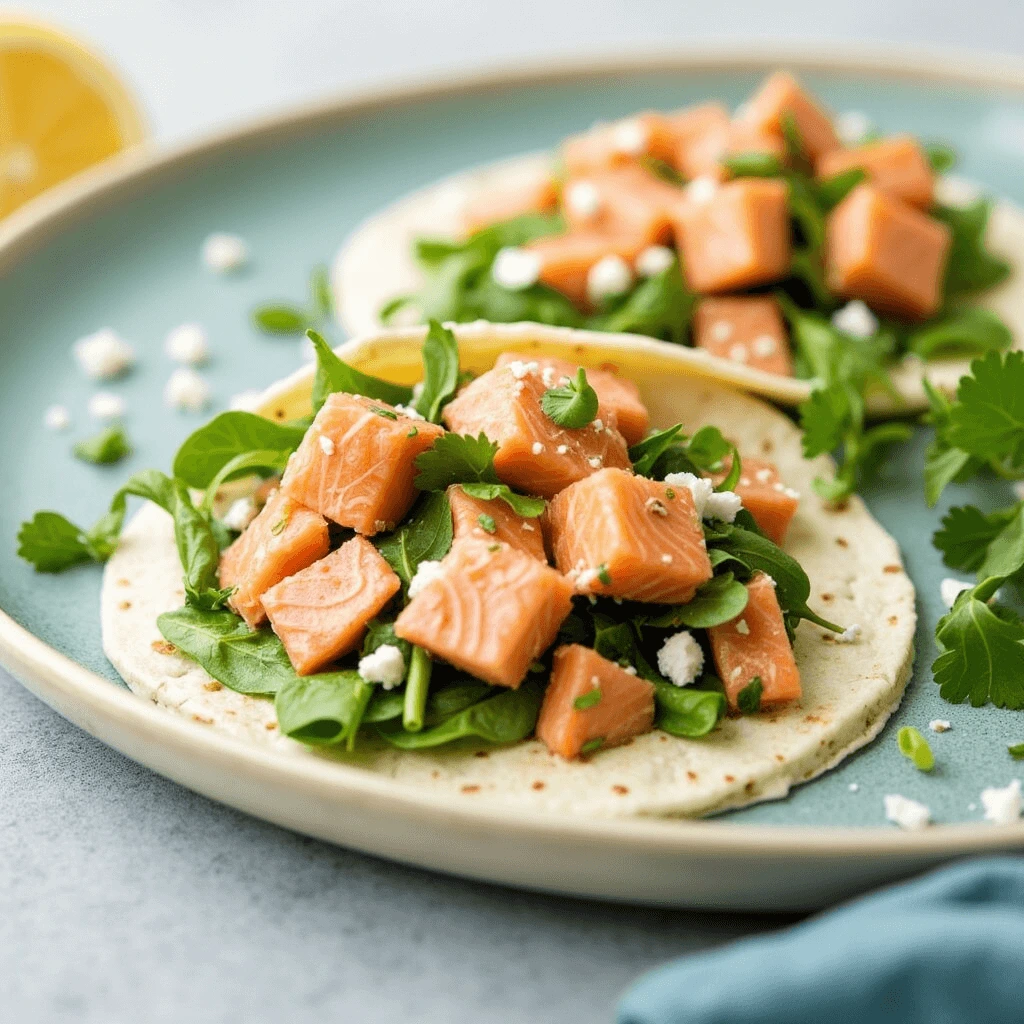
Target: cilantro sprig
x: 572, y: 405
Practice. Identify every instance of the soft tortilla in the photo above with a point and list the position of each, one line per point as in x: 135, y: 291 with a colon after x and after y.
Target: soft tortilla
x: 854, y: 566
x: 375, y: 264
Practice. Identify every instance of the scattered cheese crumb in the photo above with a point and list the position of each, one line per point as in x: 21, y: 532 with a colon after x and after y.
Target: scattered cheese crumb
x: 667, y: 559
x: 186, y: 390
x: 702, y: 190
x: 562, y: 449
x: 855, y: 319
x: 655, y: 507
x: 610, y: 275
x: 408, y: 412
x: 630, y: 670
x: 957, y: 192
x: 764, y: 345
x: 653, y: 260
x: 850, y: 635
x: 939, y: 725
x: 742, y: 628
x: 106, y: 406
x: 326, y: 445
x: 724, y: 505
x: 630, y: 137
x: 384, y: 665
x: 516, y: 268
x: 762, y: 476
x: 103, y: 355
x: 595, y: 462
x: 721, y: 331
x: 528, y: 526
x: 583, y: 199
x: 537, y: 448
x: 738, y: 353
x: 240, y: 514
x: 547, y: 375
x: 681, y: 658
x: 598, y: 425
x: 853, y: 787
x: 519, y: 369
x: 224, y: 253
x: 245, y: 401
x: 1002, y: 806
x: 950, y: 589
x: 426, y: 572
x: 906, y: 813
x: 187, y: 344
x: 56, y: 417
x: 852, y: 127
x: 700, y: 488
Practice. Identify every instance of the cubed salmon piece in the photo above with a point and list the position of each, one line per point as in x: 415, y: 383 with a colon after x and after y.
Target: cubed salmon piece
x: 565, y: 260
x: 689, y: 127
x: 898, y: 166
x: 535, y: 192
x: 494, y: 520
x: 885, y: 252
x: 616, y: 393
x: 621, y: 142
x: 284, y: 538
x: 624, y: 706
x: 765, y: 496
x: 627, y: 201
x: 736, y: 235
x: 781, y: 94
x: 755, y: 644
x: 534, y: 453
x: 747, y: 329
x: 703, y: 155
x: 320, y: 613
x: 621, y: 535
x: 356, y: 463
x: 491, y: 611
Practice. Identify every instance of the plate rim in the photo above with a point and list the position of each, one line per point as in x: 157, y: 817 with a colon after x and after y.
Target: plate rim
x: 59, y: 680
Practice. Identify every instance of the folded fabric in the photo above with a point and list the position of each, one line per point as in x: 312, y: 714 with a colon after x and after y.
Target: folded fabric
x: 944, y: 949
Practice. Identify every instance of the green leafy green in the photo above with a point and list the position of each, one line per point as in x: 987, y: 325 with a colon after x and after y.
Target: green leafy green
x: 320, y: 292
x: 323, y: 710
x: 963, y: 331
x: 753, y: 165
x: 280, y: 318
x: 832, y: 191
x: 417, y: 686
x: 659, y: 307
x: 425, y: 535
x: 719, y: 600
x: 645, y: 454
x: 521, y: 504
x: 967, y: 532
x: 456, y: 459
x: 199, y: 552
x: 971, y: 267
x: 748, y: 700
x: 687, y: 711
x: 487, y: 523
x: 987, y: 419
x: 440, y: 372
x: 671, y: 451
x: 573, y: 405
x: 589, y: 699
x: 334, y: 374
x: 105, y: 448
x: 941, y: 156
x: 1016, y: 751
x: 914, y: 747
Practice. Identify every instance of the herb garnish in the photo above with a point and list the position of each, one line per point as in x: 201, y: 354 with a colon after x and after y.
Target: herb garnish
x: 573, y: 405
x: 914, y: 747
x: 105, y: 448
x: 748, y: 700
x: 588, y: 700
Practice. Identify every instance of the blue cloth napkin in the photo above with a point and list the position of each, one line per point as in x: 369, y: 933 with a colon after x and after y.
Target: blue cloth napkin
x: 944, y: 949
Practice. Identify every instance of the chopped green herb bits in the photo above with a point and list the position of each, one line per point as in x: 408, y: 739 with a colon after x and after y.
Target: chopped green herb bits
x: 592, y: 745
x: 914, y: 747
x: 588, y: 700
x: 487, y: 523
x: 1016, y: 751
x: 748, y: 700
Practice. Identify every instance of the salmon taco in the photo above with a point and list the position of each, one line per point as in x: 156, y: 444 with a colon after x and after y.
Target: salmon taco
x: 543, y: 569
x: 766, y: 239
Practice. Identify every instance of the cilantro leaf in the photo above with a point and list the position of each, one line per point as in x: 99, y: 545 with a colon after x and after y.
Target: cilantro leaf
x: 987, y: 419
x: 824, y: 418
x: 334, y: 374
x: 941, y: 467
x: 521, y: 504
x: 456, y: 459
x: 53, y: 543
x: 105, y: 448
x: 573, y: 405
x: 966, y: 534
x: 440, y: 372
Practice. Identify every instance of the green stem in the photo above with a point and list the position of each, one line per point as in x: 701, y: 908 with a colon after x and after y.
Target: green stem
x: 416, y: 685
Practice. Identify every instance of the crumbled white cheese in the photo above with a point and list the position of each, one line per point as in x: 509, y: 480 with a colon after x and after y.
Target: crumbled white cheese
x: 326, y: 444
x: 853, y: 787
x: 56, y: 417
x: 742, y: 628
x: 595, y: 462
x: 630, y: 137
x: 186, y: 390
x: 850, y: 635
x: 610, y: 275
x: 906, y: 813
x: 1018, y: 490
x: 537, y: 448
x: 583, y: 199
x: 584, y: 578
x: 562, y: 449
x: 103, y: 355
x: 702, y: 190
x: 245, y: 401
x: 764, y: 345
x: 224, y: 253
x: 939, y: 725
x: 681, y: 658
x: 723, y: 505
x: 630, y: 670
x: 516, y: 268
x: 950, y: 589
x: 598, y: 425
x: 787, y: 491
x: 240, y: 514
x: 106, y: 406
x: 384, y: 665
x: 738, y: 353
x: 762, y: 476
x: 1002, y: 806
x: 426, y: 572
x: 408, y: 412
x: 187, y: 344
x: 667, y: 559
x: 547, y: 375
x: 721, y: 330
x: 952, y: 190
x: 852, y: 127
x: 856, y: 320
x: 519, y: 369
x: 698, y: 486
x: 528, y: 526
x: 653, y: 260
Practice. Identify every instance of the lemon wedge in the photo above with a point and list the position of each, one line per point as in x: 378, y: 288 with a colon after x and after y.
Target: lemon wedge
x: 61, y: 110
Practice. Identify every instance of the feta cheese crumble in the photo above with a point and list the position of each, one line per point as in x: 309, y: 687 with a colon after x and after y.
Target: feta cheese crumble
x: 723, y: 505
x: 537, y: 448
x: 610, y: 275
x: 326, y: 445
x: 852, y: 127
x: 187, y: 344
x: 103, y: 355
x: 516, y: 268
x: 856, y: 320
x: 653, y: 260
x: 738, y: 352
x: 853, y: 787
x: 950, y: 589
x: 385, y: 666
x: 595, y: 462
x: 721, y: 331
x: 630, y: 137
x: 742, y: 628
x: 240, y: 514
x: 426, y: 572
x: 223, y: 253
x: 764, y: 345
x: 1002, y: 806
x: 583, y: 199
x: 681, y: 658
x: 939, y: 725
x: 562, y: 449
x: 702, y: 190
x: 907, y: 813
x: 519, y: 369
x: 850, y: 635
x: 408, y: 412
x: 186, y: 390
x: 106, y: 406
x: 56, y: 417
x: 762, y: 476
x: 700, y: 488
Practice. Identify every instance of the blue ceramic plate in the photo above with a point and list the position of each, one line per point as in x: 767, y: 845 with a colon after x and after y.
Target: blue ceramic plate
x: 121, y: 249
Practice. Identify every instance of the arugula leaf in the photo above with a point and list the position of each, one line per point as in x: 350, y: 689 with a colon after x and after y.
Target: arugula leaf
x: 280, y: 318
x: 687, y: 711
x: 960, y: 331
x: 521, y: 504
x: 334, y: 374
x: 426, y: 535
x: 659, y: 307
x: 645, y: 454
x: 971, y: 267
x: 440, y: 372
x: 105, y: 448
x: 456, y: 459
x: 719, y: 600
x: 574, y: 405
x: 987, y: 419
x: 748, y: 700
x: 914, y: 747
x: 967, y: 533
x: 322, y: 710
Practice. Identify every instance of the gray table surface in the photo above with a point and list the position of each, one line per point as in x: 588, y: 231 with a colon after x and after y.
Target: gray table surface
x: 126, y: 898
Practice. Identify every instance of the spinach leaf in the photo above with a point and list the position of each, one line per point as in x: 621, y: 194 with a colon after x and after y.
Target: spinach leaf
x: 659, y: 307
x: 105, y: 448
x: 334, y: 374
x: 971, y: 266
x: 322, y: 710
x: 280, y: 318
x: 440, y: 372
x: 719, y: 600
x: 687, y: 711
x: 199, y: 553
x: 426, y: 535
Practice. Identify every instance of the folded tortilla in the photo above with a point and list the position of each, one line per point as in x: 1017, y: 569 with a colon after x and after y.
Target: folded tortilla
x: 375, y: 264
x: 854, y: 566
